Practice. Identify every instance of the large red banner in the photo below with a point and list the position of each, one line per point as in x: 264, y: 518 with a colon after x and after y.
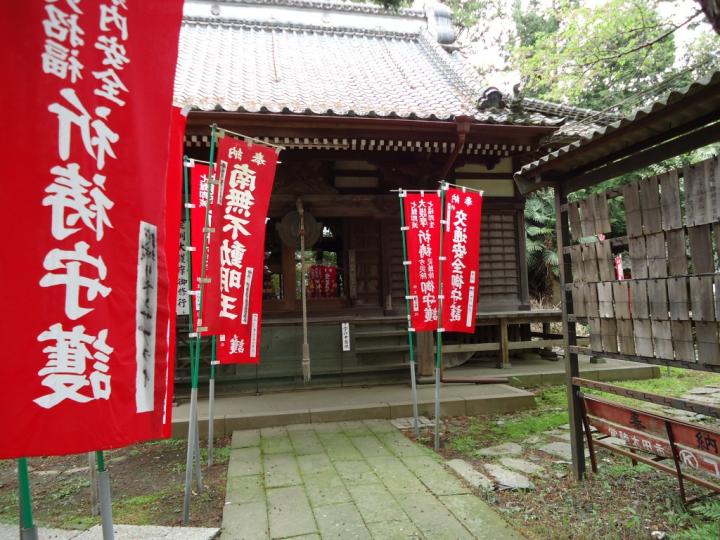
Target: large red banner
x: 461, y: 265
x: 174, y: 178
x: 422, y: 233
x: 200, y: 190
x: 85, y: 276
x: 233, y: 298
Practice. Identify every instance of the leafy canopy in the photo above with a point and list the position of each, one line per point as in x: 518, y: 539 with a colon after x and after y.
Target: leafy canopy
x: 593, y: 57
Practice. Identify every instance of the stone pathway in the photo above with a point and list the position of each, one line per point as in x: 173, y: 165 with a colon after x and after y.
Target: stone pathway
x: 350, y: 480
x: 122, y: 532
x: 514, y: 465
x: 511, y: 466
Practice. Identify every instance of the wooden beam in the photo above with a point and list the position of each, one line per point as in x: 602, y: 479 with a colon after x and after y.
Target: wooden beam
x: 301, y: 125
x: 649, y: 360
x: 697, y: 139
x: 572, y: 368
x: 665, y: 401
x: 650, y: 142
x: 657, y: 124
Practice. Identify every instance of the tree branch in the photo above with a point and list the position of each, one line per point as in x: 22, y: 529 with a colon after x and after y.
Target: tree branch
x: 647, y: 44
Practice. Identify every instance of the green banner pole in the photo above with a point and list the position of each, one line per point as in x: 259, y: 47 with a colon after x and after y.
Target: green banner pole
x: 440, y: 330
x: 211, y: 403
x: 191, y: 345
x: 192, y: 440
x: 411, y: 349
x: 105, y: 498
x: 28, y: 530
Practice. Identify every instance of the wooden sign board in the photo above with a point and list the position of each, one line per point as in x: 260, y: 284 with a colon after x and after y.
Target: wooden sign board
x: 697, y: 447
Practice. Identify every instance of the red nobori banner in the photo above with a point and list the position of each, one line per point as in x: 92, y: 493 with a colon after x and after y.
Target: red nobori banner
x: 86, y: 301
x: 174, y: 179
x: 233, y: 300
x: 461, y: 265
x: 422, y: 222
x: 199, y: 191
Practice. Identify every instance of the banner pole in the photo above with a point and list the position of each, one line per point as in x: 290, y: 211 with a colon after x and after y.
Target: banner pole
x: 411, y: 351
x: 438, y: 348
x: 303, y: 271
x: 28, y: 530
x: 211, y: 403
x: 193, y: 454
x: 105, y: 498
x: 196, y: 451
x: 191, y: 344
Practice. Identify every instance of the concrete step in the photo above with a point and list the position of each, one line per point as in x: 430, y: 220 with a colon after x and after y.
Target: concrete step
x: 379, y: 333
x: 338, y: 404
x: 380, y: 349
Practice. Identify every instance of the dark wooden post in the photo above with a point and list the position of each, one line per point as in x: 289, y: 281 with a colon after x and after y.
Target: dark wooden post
x: 425, y: 357
x: 288, y: 274
x: 504, y: 344
x: 522, y: 258
x: 569, y: 336
x: 385, y: 262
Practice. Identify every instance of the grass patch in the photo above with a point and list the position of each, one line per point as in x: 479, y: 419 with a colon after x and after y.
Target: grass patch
x: 705, y: 523
x: 70, y: 488
x: 673, y: 382
x: 9, y: 505
x: 220, y: 454
x: 138, y: 510
x: 621, y: 469
x: 82, y: 521
x: 677, y: 383
x: 551, y: 413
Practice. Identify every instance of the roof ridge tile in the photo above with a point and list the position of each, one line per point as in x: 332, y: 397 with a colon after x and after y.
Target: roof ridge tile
x: 356, y: 7
x: 264, y: 25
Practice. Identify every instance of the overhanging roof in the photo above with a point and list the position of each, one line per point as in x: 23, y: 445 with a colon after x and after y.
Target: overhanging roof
x: 682, y: 121
x: 330, y: 58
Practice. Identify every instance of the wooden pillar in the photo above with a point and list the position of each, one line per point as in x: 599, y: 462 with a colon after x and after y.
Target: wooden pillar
x: 425, y: 357
x: 504, y: 344
x: 385, y: 264
x: 522, y: 258
x: 569, y: 336
x: 288, y: 274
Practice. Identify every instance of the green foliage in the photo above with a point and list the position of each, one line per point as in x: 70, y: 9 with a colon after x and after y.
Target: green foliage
x: 593, y: 56
x: 389, y: 4
x: 542, y: 259
x: 551, y: 413
x: 220, y: 454
x: 706, y: 525
x: 527, y: 424
x: 533, y: 22
x: 138, y: 509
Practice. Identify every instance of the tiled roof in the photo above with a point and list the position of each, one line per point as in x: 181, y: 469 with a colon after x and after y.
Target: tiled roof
x: 657, y: 110
x: 335, y: 58
x: 256, y: 67
x: 569, y: 112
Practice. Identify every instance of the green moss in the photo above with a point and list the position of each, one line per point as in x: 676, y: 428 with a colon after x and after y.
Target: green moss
x: 137, y: 510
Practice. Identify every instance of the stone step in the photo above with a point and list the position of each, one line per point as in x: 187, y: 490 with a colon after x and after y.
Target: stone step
x: 507, y: 479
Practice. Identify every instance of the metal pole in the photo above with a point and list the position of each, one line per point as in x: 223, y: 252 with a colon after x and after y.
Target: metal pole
x: 211, y: 404
x: 193, y: 392
x: 189, y: 458
x: 438, y: 356
x: 413, y: 384
x: 303, y: 270
x: 28, y: 530
x: 192, y: 440
x: 94, y: 494
x: 196, y: 451
x: 105, y: 499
